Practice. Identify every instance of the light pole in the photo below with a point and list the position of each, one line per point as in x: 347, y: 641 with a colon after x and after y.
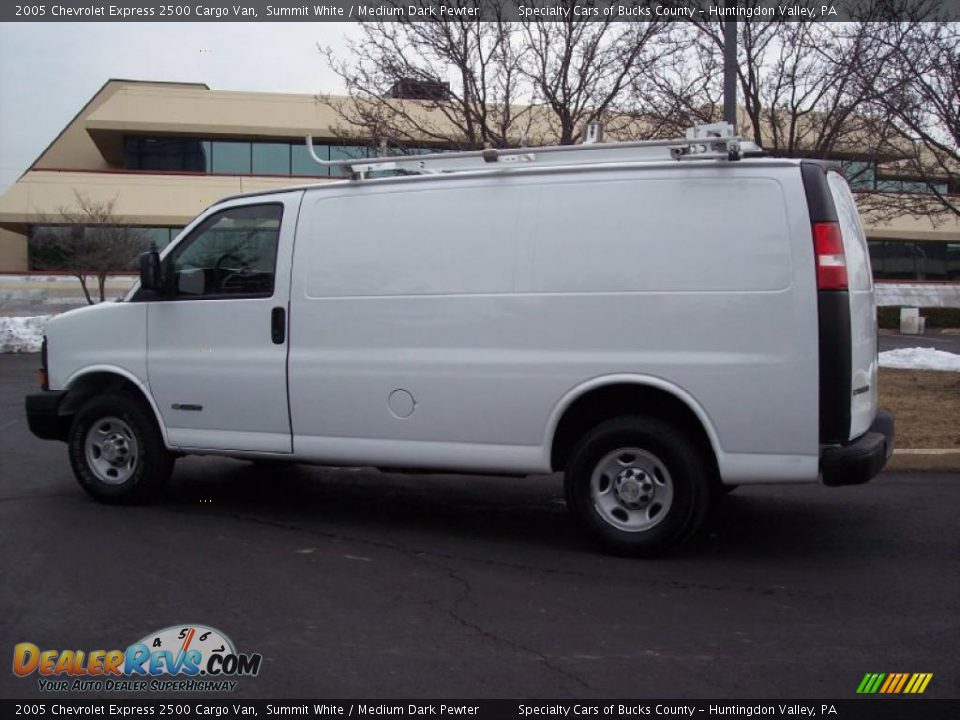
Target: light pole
x: 730, y: 69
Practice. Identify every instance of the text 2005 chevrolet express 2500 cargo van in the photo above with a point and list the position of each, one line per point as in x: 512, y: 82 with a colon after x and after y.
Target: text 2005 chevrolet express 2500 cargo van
x: 655, y: 320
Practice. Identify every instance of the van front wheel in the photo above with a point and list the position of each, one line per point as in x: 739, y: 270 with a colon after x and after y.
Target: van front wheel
x: 637, y: 485
x: 116, y: 450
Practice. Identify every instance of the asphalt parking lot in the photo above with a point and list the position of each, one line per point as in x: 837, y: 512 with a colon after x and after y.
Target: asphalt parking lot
x: 368, y: 585
x: 934, y: 338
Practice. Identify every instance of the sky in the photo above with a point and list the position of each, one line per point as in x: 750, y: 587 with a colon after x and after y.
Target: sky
x: 48, y: 71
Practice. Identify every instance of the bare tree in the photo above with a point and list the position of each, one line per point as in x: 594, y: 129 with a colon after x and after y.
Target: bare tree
x: 920, y: 93
x: 797, y: 90
x: 812, y: 89
x: 487, y: 103
x: 877, y: 93
x: 506, y: 83
x: 89, y: 240
x: 582, y: 71
x: 684, y: 89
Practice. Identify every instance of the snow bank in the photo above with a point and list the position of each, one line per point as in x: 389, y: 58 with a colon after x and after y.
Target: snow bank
x: 920, y: 359
x: 22, y: 334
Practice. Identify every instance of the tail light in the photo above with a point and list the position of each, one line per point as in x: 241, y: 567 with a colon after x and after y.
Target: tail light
x: 43, y: 377
x: 831, y: 261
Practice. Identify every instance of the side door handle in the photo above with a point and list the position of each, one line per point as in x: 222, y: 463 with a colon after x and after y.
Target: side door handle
x: 278, y: 325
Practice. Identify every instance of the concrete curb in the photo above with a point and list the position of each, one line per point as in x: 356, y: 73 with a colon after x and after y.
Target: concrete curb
x: 925, y: 460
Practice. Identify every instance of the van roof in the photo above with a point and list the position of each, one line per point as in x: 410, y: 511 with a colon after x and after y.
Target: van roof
x: 513, y: 171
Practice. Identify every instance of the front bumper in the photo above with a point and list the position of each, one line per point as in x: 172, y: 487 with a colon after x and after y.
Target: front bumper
x: 43, y: 414
x: 861, y: 460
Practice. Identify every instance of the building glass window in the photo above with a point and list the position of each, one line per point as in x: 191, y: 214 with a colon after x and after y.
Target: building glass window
x: 302, y: 164
x: 271, y: 158
x: 345, y: 152
x: 876, y: 258
x: 231, y: 157
x: 863, y: 175
x: 860, y: 175
x: 155, y: 238
x: 900, y: 261
x: 953, y: 261
x: 240, y: 157
x: 159, y: 237
x: 915, y: 260
x: 931, y: 261
x: 151, y: 153
x: 910, y: 186
x: 53, y: 247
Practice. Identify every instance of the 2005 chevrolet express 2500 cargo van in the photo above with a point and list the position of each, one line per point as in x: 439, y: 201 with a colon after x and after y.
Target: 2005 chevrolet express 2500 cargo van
x: 655, y: 320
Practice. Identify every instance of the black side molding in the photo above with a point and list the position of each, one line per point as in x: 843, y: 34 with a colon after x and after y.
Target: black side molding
x: 836, y: 362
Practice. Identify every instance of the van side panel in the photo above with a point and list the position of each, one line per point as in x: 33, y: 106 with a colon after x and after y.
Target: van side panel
x: 124, y: 323
x: 441, y: 323
x: 657, y: 235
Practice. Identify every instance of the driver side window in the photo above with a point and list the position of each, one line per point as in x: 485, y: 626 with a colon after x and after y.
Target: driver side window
x: 230, y: 254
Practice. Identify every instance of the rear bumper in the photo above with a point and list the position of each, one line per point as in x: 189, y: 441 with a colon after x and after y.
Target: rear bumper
x: 43, y: 414
x: 861, y: 460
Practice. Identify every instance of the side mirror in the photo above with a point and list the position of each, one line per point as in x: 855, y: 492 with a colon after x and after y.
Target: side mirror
x: 150, y: 271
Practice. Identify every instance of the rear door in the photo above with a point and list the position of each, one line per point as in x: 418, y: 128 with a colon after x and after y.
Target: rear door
x: 863, y: 311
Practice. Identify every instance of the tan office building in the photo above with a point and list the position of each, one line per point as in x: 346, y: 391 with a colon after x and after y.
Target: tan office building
x: 165, y: 151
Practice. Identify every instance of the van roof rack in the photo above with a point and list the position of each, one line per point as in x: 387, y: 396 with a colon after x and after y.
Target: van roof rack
x: 716, y: 141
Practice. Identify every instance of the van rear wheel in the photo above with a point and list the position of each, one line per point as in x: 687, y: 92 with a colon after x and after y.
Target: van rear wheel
x: 116, y: 450
x: 638, y: 486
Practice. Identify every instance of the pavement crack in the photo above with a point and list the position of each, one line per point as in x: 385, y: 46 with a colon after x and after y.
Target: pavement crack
x: 465, y: 596
x: 521, y: 567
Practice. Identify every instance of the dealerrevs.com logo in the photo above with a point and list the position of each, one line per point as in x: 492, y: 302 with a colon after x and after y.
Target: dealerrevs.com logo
x: 180, y: 658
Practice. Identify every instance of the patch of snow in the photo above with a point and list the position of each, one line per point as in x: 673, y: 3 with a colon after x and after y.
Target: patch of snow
x: 21, y: 296
x: 77, y: 300
x: 22, y: 334
x: 919, y: 358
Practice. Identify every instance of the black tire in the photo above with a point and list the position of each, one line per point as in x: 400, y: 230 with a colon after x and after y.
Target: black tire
x: 722, y: 489
x: 148, y: 470
x: 664, y: 448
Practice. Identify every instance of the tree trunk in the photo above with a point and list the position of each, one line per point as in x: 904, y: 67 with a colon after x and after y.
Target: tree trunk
x: 83, y: 284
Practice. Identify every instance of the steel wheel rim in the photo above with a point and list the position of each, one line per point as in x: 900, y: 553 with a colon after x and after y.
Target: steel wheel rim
x: 631, y: 489
x: 111, y: 450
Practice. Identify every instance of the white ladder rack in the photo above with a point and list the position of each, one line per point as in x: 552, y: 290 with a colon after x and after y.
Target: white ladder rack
x: 702, y: 142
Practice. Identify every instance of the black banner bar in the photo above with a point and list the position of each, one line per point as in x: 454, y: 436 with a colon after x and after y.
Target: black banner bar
x: 230, y: 708
x: 450, y: 10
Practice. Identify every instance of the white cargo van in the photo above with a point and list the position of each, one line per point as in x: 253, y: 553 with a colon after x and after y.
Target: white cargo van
x: 658, y: 321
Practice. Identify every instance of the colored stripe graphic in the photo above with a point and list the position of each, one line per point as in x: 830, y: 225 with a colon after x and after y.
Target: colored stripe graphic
x: 918, y: 683
x: 903, y: 681
x: 870, y: 683
x: 894, y: 683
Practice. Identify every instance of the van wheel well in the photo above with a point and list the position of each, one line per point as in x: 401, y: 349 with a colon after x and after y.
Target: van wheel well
x: 97, y: 383
x: 611, y: 401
